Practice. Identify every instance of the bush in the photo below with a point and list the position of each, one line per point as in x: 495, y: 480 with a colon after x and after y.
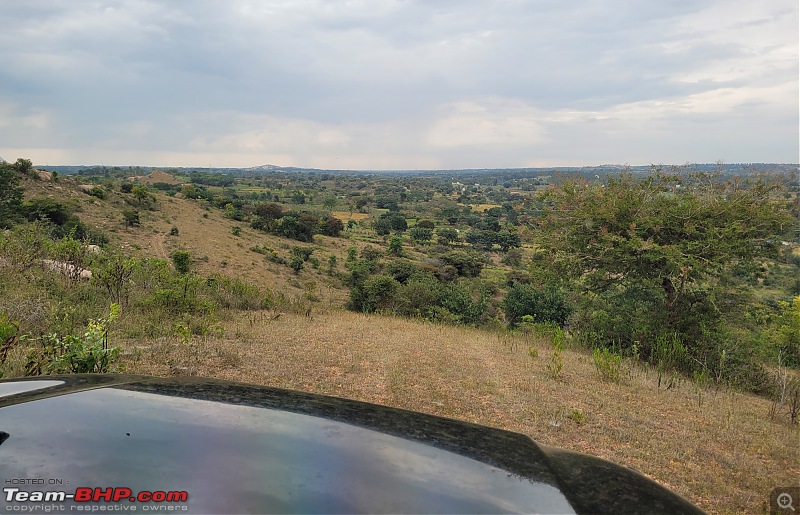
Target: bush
x: 608, y: 365
x: 420, y: 234
x: 98, y: 192
x: 466, y: 264
x: 181, y: 260
x: 418, y: 296
x: 458, y: 301
x: 296, y: 263
x: 130, y: 217
x: 547, y: 305
x: 376, y: 294
x: 395, y: 246
x: 401, y: 270
x: 88, y: 353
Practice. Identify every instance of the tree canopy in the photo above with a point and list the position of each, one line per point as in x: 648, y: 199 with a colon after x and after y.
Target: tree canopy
x: 650, y: 253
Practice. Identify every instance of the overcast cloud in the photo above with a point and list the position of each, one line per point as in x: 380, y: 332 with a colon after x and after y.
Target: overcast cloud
x: 399, y: 84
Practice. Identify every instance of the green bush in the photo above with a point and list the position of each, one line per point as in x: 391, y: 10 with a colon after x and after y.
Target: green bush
x: 466, y: 264
x: 608, y: 365
x: 547, y: 305
x: 462, y: 304
x: 66, y: 354
x: 181, y: 260
x: 98, y: 192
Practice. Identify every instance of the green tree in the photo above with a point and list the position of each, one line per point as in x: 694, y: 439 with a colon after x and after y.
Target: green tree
x: 420, y: 234
x: 330, y: 202
x: 23, y: 166
x: 10, y: 195
x: 331, y: 226
x: 182, y: 261
x: 546, y: 305
x: 140, y: 192
x: 395, y: 246
x: 131, y: 217
x: 447, y: 234
x: 651, y: 251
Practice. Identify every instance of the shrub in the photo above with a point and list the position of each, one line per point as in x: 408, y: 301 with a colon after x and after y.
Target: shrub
x: 130, y: 217
x: 375, y: 294
x: 466, y: 264
x: 556, y: 364
x: 401, y: 270
x: 181, y: 260
x: 98, y: 192
x: 458, y: 301
x: 418, y: 296
x: 87, y: 353
x: 608, y: 365
x: 370, y: 253
x: 331, y: 226
x: 447, y: 234
x: 420, y: 234
x: 395, y: 246
x: 296, y: 263
x: 547, y: 305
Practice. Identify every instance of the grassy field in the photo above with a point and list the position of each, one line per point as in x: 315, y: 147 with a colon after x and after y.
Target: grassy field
x: 718, y: 448
x: 346, y: 216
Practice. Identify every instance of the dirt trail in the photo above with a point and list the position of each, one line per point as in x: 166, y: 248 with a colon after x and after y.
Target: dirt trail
x: 158, y: 242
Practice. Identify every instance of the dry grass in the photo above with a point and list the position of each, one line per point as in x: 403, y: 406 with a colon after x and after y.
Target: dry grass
x: 158, y: 176
x: 207, y: 235
x: 346, y: 216
x: 480, y: 208
x: 717, y: 448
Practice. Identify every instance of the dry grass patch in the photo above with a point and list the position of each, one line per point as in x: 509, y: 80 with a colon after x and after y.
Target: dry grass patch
x: 717, y: 448
x: 346, y: 216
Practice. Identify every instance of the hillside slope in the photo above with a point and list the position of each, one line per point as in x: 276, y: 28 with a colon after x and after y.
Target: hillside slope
x: 206, y: 234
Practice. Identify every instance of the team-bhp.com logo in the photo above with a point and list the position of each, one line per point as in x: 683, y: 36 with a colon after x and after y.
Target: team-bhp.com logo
x: 95, y: 495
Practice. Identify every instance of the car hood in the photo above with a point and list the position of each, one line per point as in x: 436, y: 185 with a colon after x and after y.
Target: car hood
x: 237, y: 448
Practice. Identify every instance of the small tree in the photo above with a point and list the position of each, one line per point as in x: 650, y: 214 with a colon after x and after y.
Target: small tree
x: 131, y: 217
x: 181, y: 259
x: 140, y: 193
x: 547, y: 305
x: 23, y: 166
x: 395, y: 246
x: 420, y: 234
x: 447, y: 234
x: 10, y: 195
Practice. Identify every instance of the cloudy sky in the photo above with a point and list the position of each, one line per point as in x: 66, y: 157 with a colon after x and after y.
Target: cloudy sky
x: 398, y: 84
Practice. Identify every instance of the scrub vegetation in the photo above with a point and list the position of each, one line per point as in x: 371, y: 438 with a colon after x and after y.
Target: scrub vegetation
x: 651, y: 317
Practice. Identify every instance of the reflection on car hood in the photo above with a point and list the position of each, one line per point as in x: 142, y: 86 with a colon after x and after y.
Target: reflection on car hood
x: 236, y: 448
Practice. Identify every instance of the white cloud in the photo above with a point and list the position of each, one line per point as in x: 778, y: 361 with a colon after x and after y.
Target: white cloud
x: 394, y: 84
x: 490, y: 124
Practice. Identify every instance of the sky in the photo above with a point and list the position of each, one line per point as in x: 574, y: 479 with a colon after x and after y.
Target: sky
x: 399, y: 84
